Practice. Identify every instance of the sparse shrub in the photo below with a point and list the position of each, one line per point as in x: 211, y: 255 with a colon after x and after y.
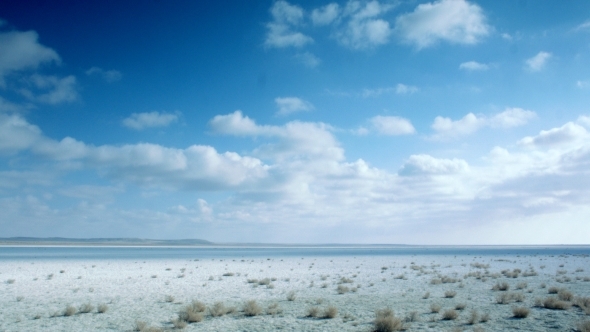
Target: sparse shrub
x: 264, y: 282
x: 102, y: 308
x: 434, y: 308
x: 192, y: 313
x: 330, y: 312
x: 385, y: 321
x: 342, y: 289
x: 413, y: 316
x: 19, y: 298
x: 553, y: 290
x: 520, y: 312
x: 450, y: 314
x: 70, y: 311
x: 345, y: 280
x: 313, y: 312
x: 86, y: 308
x: 169, y: 298
x: 460, y: 306
x: 273, y: 309
x: 521, y: 285
x: 450, y: 294
x: 565, y: 295
x: 426, y: 295
x: 291, y: 296
x: 228, y: 274
x: 251, y: 308
x: 582, y: 302
x: 501, y: 286
x: 218, y: 309
x: 179, y: 323
x: 484, y: 318
x: 473, y: 317
x: 555, y: 304
x: 584, y: 326
x: 10, y: 281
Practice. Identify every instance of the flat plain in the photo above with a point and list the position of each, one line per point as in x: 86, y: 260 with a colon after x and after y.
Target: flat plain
x: 309, y: 293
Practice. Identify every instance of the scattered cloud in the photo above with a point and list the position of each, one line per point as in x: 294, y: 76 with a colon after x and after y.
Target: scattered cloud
x: 564, y: 135
x: 108, y: 75
x: 308, y: 59
x: 583, y: 27
x: 399, y: 89
x: 455, y: 21
x: 392, y: 125
x: 21, y: 50
x: 140, y: 121
x: 50, y: 89
x: 473, y: 66
x: 326, y: 14
x: 511, y: 117
x: 289, y: 105
x: 363, y: 28
x: 538, y: 62
x: 281, y: 31
x: 583, y: 84
x: 423, y: 164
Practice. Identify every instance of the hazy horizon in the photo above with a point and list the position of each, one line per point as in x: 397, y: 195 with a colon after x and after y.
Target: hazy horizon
x: 406, y: 122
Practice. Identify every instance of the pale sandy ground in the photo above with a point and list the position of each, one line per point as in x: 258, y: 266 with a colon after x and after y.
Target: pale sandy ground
x: 137, y: 290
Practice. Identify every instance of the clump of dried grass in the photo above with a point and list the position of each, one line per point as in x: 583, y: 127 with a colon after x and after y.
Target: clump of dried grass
x: 501, y: 286
x: 473, y: 317
x: 274, y: 309
x: 102, y: 308
x: 251, y: 308
x: 555, y: 304
x: 86, y: 308
x: 434, y: 308
x: 291, y: 296
x: 450, y: 294
x: 192, y: 313
x: 385, y: 321
x: 70, y: 311
x: 584, y: 326
x: 330, y: 312
x: 313, y: 312
x: 520, y: 312
x: 218, y: 309
x: 450, y: 314
x: 342, y: 289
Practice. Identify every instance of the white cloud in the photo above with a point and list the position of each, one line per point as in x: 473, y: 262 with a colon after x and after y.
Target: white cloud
x: 280, y: 31
x: 289, y: 105
x: 308, y: 59
x: 538, y: 62
x: 399, y: 89
x: 364, y: 29
x: 583, y: 84
x: 427, y: 165
x: 455, y: 21
x: 473, y: 66
x: 506, y: 36
x: 60, y: 89
x: 565, y: 135
x: 392, y: 125
x: 140, y: 121
x: 21, y: 50
x: 16, y: 133
x: 108, y: 75
x: 583, y: 26
x: 470, y: 123
x: 584, y: 120
x: 325, y: 15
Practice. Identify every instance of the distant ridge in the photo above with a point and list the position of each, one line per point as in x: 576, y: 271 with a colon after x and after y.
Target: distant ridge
x: 101, y: 241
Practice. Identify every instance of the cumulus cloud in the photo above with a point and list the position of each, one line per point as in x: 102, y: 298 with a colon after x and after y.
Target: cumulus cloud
x: 51, y: 89
x: 21, y: 50
x: 423, y: 164
x: 583, y: 27
x: 140, y: 121
x: 538, y: 62
x: 281, y: 31
x: 364, y: 29
x: 564, y: 135
x: 289, y: 105
x: 108, y: 75
x: 511, y: 117
x: 326, y: 14
x: 473, y: 66
x: 392, y: 125
x: 455, y: 21
x: 16, y: 133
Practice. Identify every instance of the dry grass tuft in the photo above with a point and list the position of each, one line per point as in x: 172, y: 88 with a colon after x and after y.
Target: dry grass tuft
x: 565, y: 295
x: 520, y: 312
x: 450, y: 294
x: 218, y: 309
x: 584, y: 326
x: 251, y: 308
x: 484, y: 318
x: 413, y: 316
x: 169, y: 298
x: 291, y: 296
x: 385, y: 321
x: 434, y: 308
x: 426, y: 295
x: 501, y: 286
x: 70, y: 311
x: 86, y: 308
x: 555, y: 304
x: 192, y: 313
x: 460, y: 306
x: 142, y: 326
x: 342, y: 289
x: 473, y: 317
x: 313, y: 312
x: 330, y: 312
x: 450, y: 314
x: 10, y: 281
x: 102, y: 308
x: 274, y: 309
x: 179, y: 324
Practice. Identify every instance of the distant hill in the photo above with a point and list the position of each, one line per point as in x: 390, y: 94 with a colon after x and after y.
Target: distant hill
x: 101, y: 241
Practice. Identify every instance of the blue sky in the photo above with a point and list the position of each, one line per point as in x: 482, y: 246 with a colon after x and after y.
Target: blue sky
x: 443, y: 122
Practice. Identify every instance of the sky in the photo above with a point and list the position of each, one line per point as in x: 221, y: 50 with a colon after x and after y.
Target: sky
x: 408, y: 122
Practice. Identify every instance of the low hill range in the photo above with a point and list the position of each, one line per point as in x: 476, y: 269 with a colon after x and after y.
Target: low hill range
x: 58, y: 241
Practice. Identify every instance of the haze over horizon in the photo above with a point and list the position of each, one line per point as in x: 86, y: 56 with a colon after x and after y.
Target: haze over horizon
x: 412, y: 122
